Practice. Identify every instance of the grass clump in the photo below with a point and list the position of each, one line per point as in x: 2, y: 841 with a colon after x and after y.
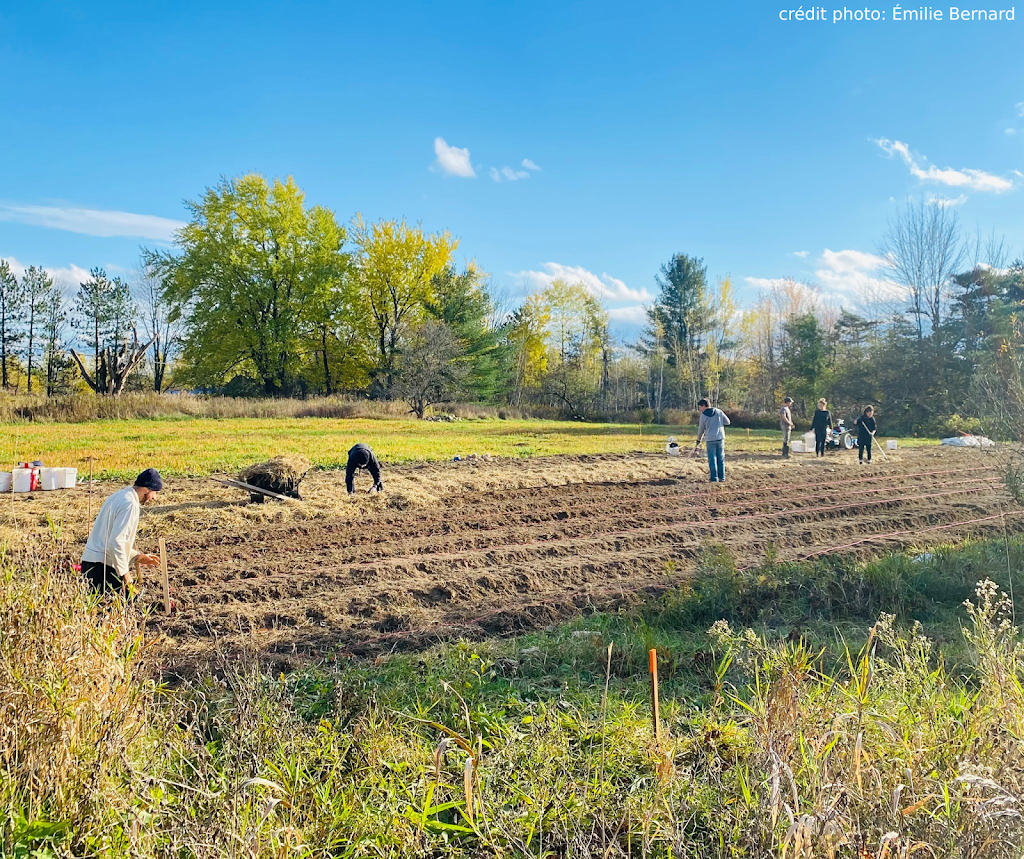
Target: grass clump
x: 860, y: 734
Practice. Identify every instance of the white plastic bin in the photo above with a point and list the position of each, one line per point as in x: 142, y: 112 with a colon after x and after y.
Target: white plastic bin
x: 69, y: 478
x: 798, y: 447
x: 21, y: 480
x: 51, y: 478
x: 5, y: 481
x: 890, y: 444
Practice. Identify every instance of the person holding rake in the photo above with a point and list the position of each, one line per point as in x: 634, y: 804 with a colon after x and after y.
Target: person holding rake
x: 866, y: 429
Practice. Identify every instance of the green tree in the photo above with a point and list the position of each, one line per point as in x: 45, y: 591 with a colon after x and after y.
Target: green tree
x: 395, y: 268
x: 106, y: 316
x: 38, y: 288
x: 682, y: 316
x: 462, y: 302
x: 58, y: 367
x: 804, y: 358
x: 578, y: 349
x: 12, y: 312
x: 249, y: 268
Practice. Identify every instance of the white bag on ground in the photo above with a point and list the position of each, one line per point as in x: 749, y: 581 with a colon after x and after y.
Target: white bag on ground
x: 969, y: 441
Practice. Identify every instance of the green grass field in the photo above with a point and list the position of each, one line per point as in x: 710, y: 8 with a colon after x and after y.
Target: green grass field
x: 199, y: 446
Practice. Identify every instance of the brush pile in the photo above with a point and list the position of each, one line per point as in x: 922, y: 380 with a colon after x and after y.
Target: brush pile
x: 282, y: 475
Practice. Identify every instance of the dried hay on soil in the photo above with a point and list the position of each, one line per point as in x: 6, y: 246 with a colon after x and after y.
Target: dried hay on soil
x: 282, y: 474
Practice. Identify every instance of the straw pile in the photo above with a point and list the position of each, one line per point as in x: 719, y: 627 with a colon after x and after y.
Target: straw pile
x: 282, y: 474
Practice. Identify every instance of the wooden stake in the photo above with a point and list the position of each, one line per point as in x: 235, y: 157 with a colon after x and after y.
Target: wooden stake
x: 655, y: 712
x: 163, y: 575
x: 90, y: 490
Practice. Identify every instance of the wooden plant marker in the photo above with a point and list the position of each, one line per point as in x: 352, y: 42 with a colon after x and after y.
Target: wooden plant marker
x: 653, y: 657
x: 163, y: 576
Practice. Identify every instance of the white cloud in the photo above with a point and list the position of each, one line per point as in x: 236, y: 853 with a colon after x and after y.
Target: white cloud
x: 1018, y: 173
x: 946, y: 202
x: 855, y: 274
x: 634, y: 314
x: 1009, y: 132
x: 92, y: 222
x: 848, y: 277
x: 451, y: 160
x: 529, y: 165
x: 508, y: 174
x: 67, y: 278
x: 976, y: 180
x: 605, y: 287
x: 801, y: 254
x: 1020, y: 108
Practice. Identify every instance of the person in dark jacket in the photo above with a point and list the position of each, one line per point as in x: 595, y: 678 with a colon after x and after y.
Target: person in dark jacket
x: 362, y: 457
x: 821, y: 424
x: 866, y: 428
x: 711, y: 427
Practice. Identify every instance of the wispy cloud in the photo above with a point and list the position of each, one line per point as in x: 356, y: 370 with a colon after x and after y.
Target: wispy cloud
x: 92, y: 222
x: 1020, y: 108
x: 529, y: 165
x: 801, y: 254
x: 1009, y: 132
x: 975, y: 180
x: 946, y: 202
x: 605, y: 286
x: 451, y: 160
x: 508, y: 174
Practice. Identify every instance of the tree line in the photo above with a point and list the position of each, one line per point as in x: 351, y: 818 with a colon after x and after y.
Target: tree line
x: 263, y: 295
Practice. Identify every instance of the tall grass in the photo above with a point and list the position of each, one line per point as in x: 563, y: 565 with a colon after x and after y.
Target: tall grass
x: 81, y: 408
x: 774, y: 744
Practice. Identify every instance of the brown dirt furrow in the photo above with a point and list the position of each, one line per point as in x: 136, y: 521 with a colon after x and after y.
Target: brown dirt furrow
x: 492, y: 561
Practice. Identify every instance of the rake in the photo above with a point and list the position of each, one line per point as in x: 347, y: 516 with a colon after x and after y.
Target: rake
x: 880, y: 450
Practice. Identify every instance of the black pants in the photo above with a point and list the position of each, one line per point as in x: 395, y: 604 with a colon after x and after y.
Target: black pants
x: 864, y: 443
x: 101, y: 578
x: 819, y: 442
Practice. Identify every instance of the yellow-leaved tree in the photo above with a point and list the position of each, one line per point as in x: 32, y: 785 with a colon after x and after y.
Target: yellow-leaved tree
x: 395, y: 265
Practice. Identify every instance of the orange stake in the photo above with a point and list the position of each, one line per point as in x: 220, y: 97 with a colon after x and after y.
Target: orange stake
x: 654, y: 694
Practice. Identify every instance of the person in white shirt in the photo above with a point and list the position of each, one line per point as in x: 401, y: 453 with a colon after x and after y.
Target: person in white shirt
x: 110, y: 549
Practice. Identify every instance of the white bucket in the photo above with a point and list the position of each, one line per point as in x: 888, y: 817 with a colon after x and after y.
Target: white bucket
x: 51, y: 478
x: 69, y: 478
x: 5, y: 481
x: 21, y: 480
x: 890, y: 444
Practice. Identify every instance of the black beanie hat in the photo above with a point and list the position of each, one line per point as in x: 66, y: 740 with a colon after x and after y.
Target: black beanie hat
x: 150, y: 479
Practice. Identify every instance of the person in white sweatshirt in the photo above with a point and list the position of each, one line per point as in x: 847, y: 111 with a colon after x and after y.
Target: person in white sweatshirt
x: 110, y: 549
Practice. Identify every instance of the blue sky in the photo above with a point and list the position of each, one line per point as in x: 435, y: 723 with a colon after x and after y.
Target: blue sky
x: 768, y: 148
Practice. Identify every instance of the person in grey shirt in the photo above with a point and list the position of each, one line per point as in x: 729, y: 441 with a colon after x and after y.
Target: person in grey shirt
x: 786, y: 424
x: 711, y: 428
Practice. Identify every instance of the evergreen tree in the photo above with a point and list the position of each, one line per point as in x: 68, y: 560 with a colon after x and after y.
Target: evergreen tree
x: 12, y: 314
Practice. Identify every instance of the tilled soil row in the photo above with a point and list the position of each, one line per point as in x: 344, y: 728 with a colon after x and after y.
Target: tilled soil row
x: 495, y: 563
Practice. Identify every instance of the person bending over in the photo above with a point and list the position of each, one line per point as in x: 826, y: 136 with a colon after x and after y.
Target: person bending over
x: 362, y: 457
x: 110, y: 549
